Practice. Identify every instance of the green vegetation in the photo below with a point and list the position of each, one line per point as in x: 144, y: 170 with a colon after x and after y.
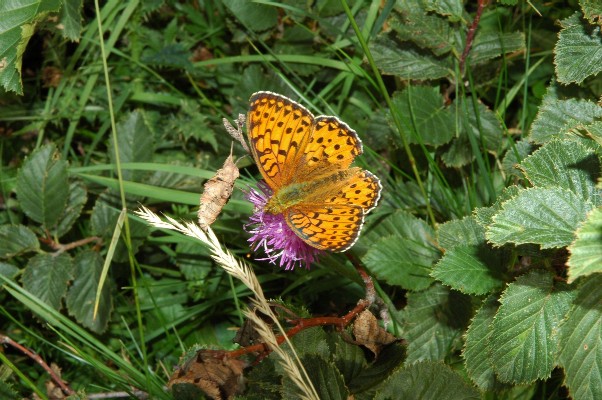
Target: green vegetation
x: 483, y: 122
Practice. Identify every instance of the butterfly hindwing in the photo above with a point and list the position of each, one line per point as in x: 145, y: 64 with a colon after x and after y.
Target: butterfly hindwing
x: 333, y: 215
x: 362, y: 188
x: 334, y: 227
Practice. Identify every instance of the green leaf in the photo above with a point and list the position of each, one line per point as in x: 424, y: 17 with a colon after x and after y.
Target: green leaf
x: 348, y: 358
x: 78, y: 196
x: 427, y: 31
x: 135, y: 141
x: 472, y: 269
x: 392, y: 58
x: 424, y: 108
x: 254, y: 16
x: 434, y: 321
x: 525, y: 330
x: 578, y: 53
x: 82, y: 293
x: 488, y: 45
x: 484, y: 215
x: 586, y: 250
x: 41, y: 184
x: 326, y: 378
x: 311, y: 342
x: 191, y: 122
x: 7, y: 389
x: 71, y: 19
x: 19, y: 18
x: 172, y: 55
x: 468, y: 265
x: 401, y: 257
x: 459, y: 153
x: 480, y: 122
x: 515, y: 155
x: 8, y: 270
x: 464, y: 232
x: 581, y: 338
x: 556, y: 117
x: 426, y: 380
x: 104, y: 220
x: 595, y: 131
x: 47, y: 276
x: 544, y: 216
x: 388, y: 359
x: 592, y: 9
x: 477, y: 348
x: 452, y: 9
x: 17, y: 239
x: 193, y: 260
x: 567, y: 164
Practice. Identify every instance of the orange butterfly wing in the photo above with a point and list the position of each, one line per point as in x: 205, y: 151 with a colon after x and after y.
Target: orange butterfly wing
x: 333, y: 214
x: 278, y: 131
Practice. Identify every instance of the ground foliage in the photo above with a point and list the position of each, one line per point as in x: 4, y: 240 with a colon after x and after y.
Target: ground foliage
x: 486, y: 247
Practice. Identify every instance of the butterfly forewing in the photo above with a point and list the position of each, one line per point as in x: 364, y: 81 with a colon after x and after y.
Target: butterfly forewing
x: 332, y: 146
x: 278, y: 130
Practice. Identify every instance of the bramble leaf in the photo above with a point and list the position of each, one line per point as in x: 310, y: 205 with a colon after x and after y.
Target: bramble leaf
x: 581, y: 338
x: 477, y: 347
x: 407, y: 63
x: 41, y: 184
x: 47, y: 276
x: 135, y: 141
x: 82, y: 293
x: 578, y: 53
x: 525, y: 339
x: 567, y: 164
x: 426, y: 380
x: 586, y: 250
x: 19, y: 19
x: 557, y: 117
x: 544, y: 216
x: 488, y: 45
x: 433, y: 321
x: 423, y: 107
x: 401, y: 257
x: 17, y: 239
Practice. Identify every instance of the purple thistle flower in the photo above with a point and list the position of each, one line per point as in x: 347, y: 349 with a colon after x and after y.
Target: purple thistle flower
x: 271, y: 232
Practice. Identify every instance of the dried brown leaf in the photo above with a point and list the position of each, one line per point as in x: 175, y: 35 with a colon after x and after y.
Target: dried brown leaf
x: 219, y: 378
x: 368, y: 333
x: 217, y: 193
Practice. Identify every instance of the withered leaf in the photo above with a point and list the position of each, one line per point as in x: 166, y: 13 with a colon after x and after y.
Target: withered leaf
x: 217, y: 193
x: 219, y: 378
x: 368, y: 333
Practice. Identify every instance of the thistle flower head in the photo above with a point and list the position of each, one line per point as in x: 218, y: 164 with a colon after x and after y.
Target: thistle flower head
x: 271, y: 233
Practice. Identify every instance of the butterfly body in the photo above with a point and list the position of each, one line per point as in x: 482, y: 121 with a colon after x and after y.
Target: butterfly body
x: 306, y: 160
x: 311, y: 191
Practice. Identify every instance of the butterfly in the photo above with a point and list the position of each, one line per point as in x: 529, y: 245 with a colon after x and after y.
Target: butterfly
x: 305, y: 160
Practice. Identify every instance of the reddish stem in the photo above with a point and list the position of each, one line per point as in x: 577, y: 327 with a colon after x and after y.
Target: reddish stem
x: 301, y: 324
x: 57, y: 379
x: 471, y: 33
x: 64, y: 247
